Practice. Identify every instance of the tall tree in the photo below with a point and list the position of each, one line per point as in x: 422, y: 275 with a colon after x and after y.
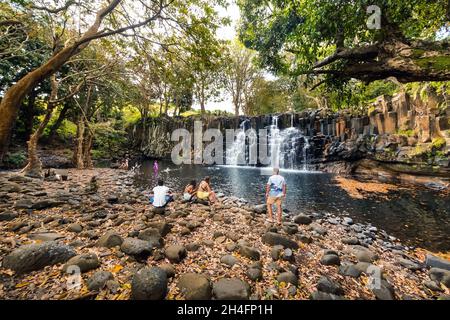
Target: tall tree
x: 238, y: 74
x: 334, y: 41
x: 118, y: 17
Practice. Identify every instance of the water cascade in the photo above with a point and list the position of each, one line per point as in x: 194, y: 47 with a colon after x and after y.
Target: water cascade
x: 287, y: 148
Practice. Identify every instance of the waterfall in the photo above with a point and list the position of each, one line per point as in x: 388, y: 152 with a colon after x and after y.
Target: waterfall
x: 236, y: 155
x: 287, y: 148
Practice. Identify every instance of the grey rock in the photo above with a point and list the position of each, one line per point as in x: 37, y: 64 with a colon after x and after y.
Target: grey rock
x: 139, y: 249
x: 48, y: 236
x: 169, y: 269
x: 433, y: 286
x: 75, y: 227
x: 98, y: 280
x: 85, y: 262
x: 8, y: 216
x: 254, y: 274
x: 153, y: 236
x: 319, y: 229
x: 318, y: 295
x: 349, y: 269
x: 260, y: 209
x: 436, y: 262
x: 109, y: 240
x: 231, y: 289
x: 288, y: 277
x: 385, y: 291
x: 302, y: 219
x: 440, y: 276
x: 328, y: 286
x: 408, y: 264
x: 249, y: 252
x: 350, y: 241
x: 364, y: 255
x: 149, y: 284
x: 276, y: 252
x: 229, y: 260
x: 277, y: 239
x: 290, y: 228
x: 330, y: 260
x: 195, y: 286
x: 36, y: 256
x: 175, y: 253
x: 192, y: 246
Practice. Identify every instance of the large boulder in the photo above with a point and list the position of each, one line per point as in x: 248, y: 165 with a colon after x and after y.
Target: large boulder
x: 110, y: 239
x: 231, y: 289
x: 195, y: 286
x: 37, y: 256
x: 85, y: 262
x: 274, y: 239
x: 149, y: 284
x: 152, y: 235
x: 139, y: 249
x: 436, y: 262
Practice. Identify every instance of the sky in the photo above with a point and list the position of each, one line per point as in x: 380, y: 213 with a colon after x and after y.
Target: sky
x: 225, y: 33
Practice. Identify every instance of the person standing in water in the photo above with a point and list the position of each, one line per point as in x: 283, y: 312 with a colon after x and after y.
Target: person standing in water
x: 155, y: 168
x: 275, y: 193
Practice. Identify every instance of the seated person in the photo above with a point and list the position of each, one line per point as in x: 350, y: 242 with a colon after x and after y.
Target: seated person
x: 189, y: 191
x: 161, y: 195
x: 205, y: 192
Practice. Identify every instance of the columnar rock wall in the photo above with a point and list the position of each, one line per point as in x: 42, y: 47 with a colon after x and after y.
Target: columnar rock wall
x: 410, y: 134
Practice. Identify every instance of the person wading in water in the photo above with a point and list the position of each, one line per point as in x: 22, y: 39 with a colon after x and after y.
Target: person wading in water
x: 275, y: 193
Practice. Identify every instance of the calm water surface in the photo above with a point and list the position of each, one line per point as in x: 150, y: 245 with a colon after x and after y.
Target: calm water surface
x: 417, y: 216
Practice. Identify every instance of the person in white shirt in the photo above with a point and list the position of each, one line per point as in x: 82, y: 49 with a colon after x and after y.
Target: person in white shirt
x: 161, y: 195
x: 275, y: 193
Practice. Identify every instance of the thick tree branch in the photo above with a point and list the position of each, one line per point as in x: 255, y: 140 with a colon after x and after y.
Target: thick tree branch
x: 54, y: 10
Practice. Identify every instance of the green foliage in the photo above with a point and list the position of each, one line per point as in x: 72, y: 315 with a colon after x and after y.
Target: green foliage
x: 130, y: 115
x: 438, y: 143
x: 406, y: 133
x: 292, y: 36
x: 109, y: 141
x: 16, y: 159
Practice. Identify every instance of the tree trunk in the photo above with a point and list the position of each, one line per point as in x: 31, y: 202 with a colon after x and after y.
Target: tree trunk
x: 78, y: 145
x: 13, y: 97
x: 87, y: 147
x: 419, y: 61
x: 29, y: 115
x: 34, y: 166
x: 59, y: 121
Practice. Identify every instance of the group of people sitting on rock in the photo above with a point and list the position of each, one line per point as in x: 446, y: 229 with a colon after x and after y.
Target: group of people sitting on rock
x: 203, y: 193
x: 276, y: 189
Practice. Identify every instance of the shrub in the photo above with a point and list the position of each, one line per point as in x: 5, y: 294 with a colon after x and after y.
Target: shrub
x: 16, y: 160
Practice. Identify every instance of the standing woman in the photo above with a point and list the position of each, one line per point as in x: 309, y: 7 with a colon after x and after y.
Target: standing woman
x: 155, y: 168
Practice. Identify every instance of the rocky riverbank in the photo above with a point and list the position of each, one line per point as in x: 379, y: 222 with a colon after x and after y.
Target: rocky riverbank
x: 105, y: 229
